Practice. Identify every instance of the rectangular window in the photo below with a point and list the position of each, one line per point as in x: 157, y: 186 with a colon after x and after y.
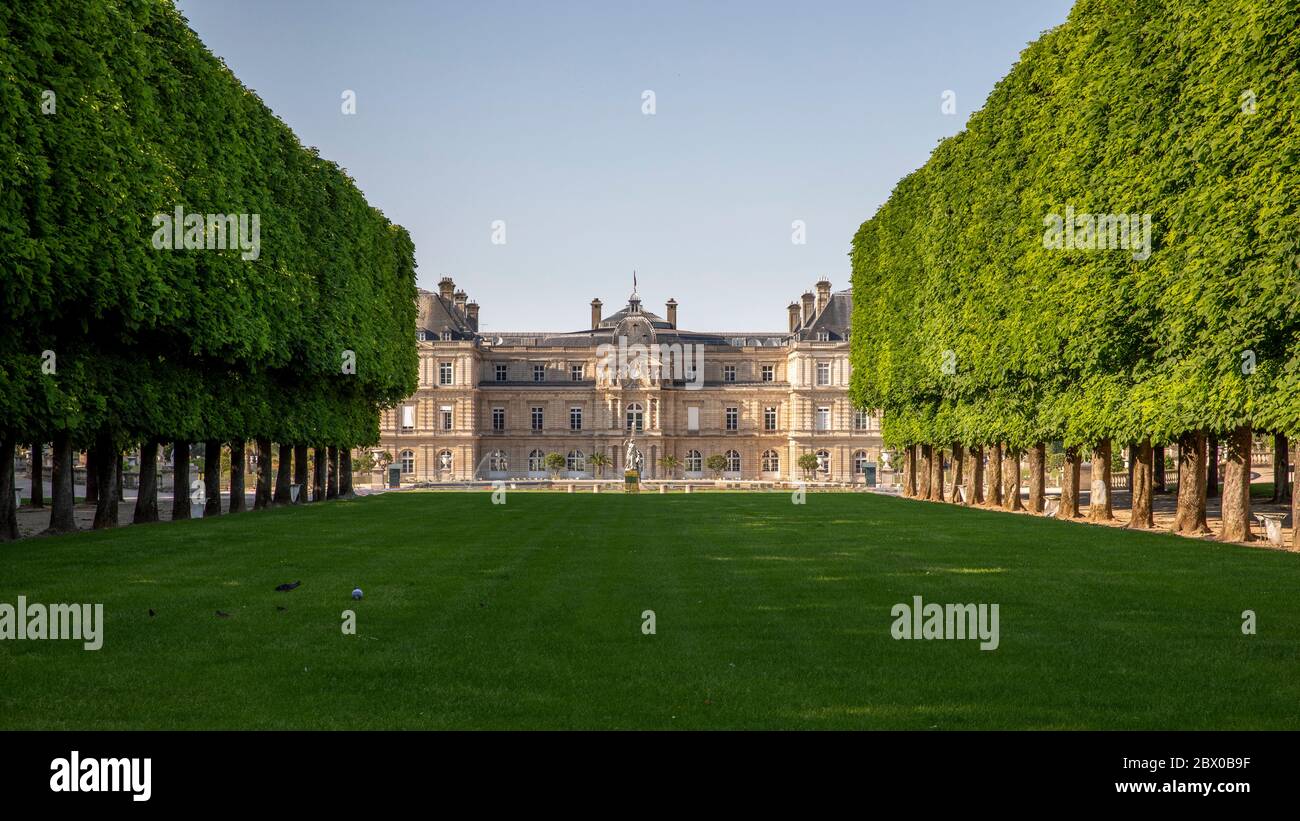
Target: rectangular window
x: 539, y: 373
x: 861, y: 419
x: 446, y: 417
x: 537, y: 418
x: 408, y: 418
x: 823, y: 373
x: 769, y: 373
x: 501, y: 373
x: 728, y: 373
x: 824, y: 418
x: 576, y: 373
x: 733, y: 418
x: 769, y: 418
x: 444, y: 373
x: 498, y: 419
x: 692, y: 418
x: 575, y: 418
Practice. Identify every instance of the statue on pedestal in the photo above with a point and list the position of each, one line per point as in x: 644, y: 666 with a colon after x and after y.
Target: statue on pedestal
x: 632, y: 459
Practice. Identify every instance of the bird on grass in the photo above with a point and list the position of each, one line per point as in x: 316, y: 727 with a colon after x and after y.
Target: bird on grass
x: 223, y: 614
x: 151, y: 613
x: 285, y: 588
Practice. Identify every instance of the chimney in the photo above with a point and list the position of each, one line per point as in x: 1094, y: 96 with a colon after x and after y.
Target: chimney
x: 807, y: 307
x: 445, y: 288
x: 794, y: 316
x: 471, y: 314
x: 672, y: 312
x: 595, y: 313
x: 823, y: 294
x: 460, y: 298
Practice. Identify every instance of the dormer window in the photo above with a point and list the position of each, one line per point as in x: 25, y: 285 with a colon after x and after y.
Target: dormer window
x: 823, y: 336
x: 446, y: 336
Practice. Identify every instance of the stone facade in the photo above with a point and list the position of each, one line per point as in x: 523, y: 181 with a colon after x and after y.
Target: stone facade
x: 492, y: 405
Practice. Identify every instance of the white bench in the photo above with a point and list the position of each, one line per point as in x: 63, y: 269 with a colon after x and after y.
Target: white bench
x: 1272, y: 523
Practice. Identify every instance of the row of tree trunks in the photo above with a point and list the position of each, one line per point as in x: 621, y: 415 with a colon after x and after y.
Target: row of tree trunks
x: 1190, y: 518
x: 8, y: 505
x: 1236, y: 486
x: 1037, y: 477
x: 1100, y: 506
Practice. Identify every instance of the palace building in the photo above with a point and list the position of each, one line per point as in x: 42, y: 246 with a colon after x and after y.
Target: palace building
x: 494, y: 405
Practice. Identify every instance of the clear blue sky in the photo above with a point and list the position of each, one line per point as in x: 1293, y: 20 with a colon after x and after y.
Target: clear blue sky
x: 531, y: 113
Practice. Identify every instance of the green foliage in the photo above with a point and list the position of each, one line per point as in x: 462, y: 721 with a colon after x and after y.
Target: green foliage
x: 1124, y: 109
x: 188, y: 343
x: 716, y: 464
x: 554, y: 463
x: 808, y: 463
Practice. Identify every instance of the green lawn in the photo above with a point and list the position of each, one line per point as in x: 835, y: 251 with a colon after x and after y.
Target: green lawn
x: 769, y: 615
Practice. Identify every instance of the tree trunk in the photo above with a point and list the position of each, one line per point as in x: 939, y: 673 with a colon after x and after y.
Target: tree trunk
x: 1190, y: 516
x: 1011, y: 480
x: 1070, y: 485
x: 1295, y: 504
x: 318, y: 492
x: 976, y: 473
x: 1143, y: 517
x: 1236, y: 486
x: 38, y: 475
x: 1037, y: 477
x: 8, y: 505
x: 119, y: 487
x: 906, y: 488
x: 180, y: 480
x: 1100, y: 506
x: 106, y: 500
x: 237, y: 476
x: 300, y: 471
x: 1132, y: 461
x: 1280, y: 447
x: 994, y: 495
x: 63, y: 517
x: 146, y: 496
x: 1211, y: 466
x: 1158, y: 466
x: 282, y: 475
x: 936, y: 474
x: 345, y: 473
x: 332, y: 489
x: 958, y: 471
x: 262, y: 498
x: 92, y: 475
x: 923, y: 472
x: 212, y: 477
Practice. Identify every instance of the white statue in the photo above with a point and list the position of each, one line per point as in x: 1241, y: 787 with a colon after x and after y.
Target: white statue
x: 632, y: 458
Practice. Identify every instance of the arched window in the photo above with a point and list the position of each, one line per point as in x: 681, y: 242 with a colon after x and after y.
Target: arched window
x: 635, y: 417
x: 444, y: 460
x: 407, y: 458
x: 859, y: 463
x: 823, y: 462
x: 771, y: 462
x: 733, y: 461
x: 693, y: 461
x: 498, y: 461
x: 536, y: 462
x: 576, y: 461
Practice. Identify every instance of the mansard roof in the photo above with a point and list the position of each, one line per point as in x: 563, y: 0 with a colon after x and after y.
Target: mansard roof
x: 835, y: 319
